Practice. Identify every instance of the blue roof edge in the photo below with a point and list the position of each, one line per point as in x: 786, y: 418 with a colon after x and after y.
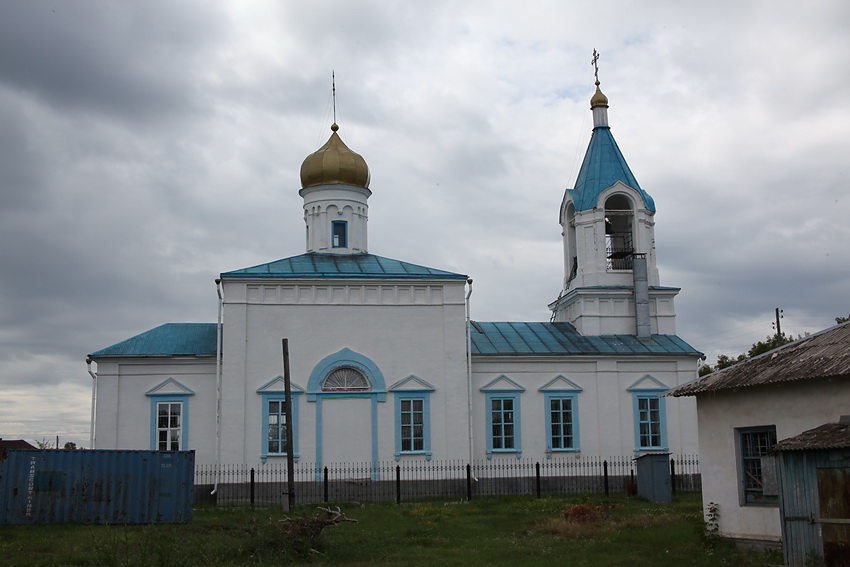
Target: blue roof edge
x: 166, y: 340
x: 369, y: 266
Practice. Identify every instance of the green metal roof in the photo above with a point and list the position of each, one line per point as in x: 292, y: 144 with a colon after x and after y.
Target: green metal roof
x: 602, y: 167
x: 170, y: 339
x: 537, y: 338
x: 342, y: 266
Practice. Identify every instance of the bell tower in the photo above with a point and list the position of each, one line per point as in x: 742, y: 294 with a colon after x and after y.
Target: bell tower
x: 611, y: 281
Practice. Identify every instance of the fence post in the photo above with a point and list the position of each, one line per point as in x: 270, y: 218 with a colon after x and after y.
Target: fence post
x: 605, y: 477
x: 325, y: 483
x: 252, y: 487
x: 537, y: 474
x: 398, y: 484
x: 468, y: 482
x: 673, y: 475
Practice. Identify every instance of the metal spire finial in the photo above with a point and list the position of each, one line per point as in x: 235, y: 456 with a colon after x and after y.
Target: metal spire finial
x: 593, y: 61
x: 333, y: 88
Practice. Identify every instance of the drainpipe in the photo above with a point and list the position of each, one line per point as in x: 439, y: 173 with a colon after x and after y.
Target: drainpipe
x: 469, y: 374
x: 219, y: 291
x: 93, y: 400
x: 641, y: 282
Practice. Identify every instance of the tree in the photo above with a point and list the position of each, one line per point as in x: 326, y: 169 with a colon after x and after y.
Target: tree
x: 840, y: 320
x: 761, y: 347
x: 70, y: 445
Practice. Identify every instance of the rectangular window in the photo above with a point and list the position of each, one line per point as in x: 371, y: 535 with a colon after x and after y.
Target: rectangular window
x: 412, y: 419
x: 649, y: 422
x: 169, y: 426
x: 758, y: 468
x: 502, y: 415
x: 340, y: 234
x: 561, y: 423
x: 276, y: 441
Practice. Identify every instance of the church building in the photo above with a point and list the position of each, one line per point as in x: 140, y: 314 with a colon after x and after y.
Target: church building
x: 386, y: 362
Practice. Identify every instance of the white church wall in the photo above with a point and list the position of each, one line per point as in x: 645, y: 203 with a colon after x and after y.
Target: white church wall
x: 124, y: 407
x: 404, y: 329
x: 606, y: 421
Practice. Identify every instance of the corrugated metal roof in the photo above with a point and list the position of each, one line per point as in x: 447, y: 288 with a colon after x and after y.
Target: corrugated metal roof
x: 822, y: 355
x: 827, y: 436
x: 317, y: 265
x: 170, y: 339
x: 602, y: 167
x: 542, y: 338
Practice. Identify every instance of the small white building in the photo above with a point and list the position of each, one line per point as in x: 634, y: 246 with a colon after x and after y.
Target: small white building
x: 386, y: 362
x: 745, y: 409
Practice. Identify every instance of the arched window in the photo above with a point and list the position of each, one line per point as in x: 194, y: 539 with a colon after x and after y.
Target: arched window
x: 346, y: 379
x: 572, y: 255
x: 619, y: 243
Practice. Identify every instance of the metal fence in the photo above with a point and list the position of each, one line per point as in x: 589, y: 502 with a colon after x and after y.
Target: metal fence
x: 266, y: 484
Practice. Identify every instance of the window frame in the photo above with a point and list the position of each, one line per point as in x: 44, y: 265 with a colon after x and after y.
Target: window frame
x: 273, y: 392
x: 561, y: 396
x: 651, y: 395
x: 769, y: 500
x: 516, y: 416
x: 169, y: 391
x: 169, y: 429
x: 339, y: 234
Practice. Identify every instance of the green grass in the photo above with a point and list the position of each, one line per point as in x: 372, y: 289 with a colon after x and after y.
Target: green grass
x: 487, y: 531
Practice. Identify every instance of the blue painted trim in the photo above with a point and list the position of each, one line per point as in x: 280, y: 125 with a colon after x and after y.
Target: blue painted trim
x: 170, y: 397
x: 278, y: 396
x: 498, y: 385
x: 517, y: 420
x: 656, y: 394
x: 183, y: 400
x: 378, y: 393
x: 346, y: 357
x: 571, y: 395
x: 425, y: 397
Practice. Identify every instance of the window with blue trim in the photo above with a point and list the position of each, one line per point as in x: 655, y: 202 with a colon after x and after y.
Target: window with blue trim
x: 276, y: 440
x: 504, y: 434
x: 274, y: 423
x: 339, y: 234
x: 412, y: 425
x: 650, y: 421
x: 169, y: 416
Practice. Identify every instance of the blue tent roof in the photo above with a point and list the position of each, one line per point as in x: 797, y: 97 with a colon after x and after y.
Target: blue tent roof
x: 318, y: 265
x: 514, y: 339
x: 603, y: 166
x: 170, y: 339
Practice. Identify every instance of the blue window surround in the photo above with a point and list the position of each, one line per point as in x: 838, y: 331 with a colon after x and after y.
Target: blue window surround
x: 503, y: 388
x: 274, y: 391
x: 180, y: 396
x: 413, y: 388
x: 561, y: 388
x: 378, y: 393
x: 648, y: 388
x: 339, y: 234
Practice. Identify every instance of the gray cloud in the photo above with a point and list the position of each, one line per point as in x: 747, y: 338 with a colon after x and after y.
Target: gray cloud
x: 145, y: 148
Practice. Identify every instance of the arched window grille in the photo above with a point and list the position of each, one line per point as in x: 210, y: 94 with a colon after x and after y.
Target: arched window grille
x: 346, y: 379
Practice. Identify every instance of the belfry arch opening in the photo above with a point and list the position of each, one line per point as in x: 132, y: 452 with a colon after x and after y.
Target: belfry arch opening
x: 619, y: 239
x: 572, y: 254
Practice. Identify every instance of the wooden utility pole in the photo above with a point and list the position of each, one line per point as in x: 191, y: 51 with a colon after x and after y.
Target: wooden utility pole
x: 778, y: 317
x: 290, y: 449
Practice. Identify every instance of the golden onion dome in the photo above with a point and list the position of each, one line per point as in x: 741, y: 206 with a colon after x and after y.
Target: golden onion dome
x: 598, y: 99
x: 333, y: 164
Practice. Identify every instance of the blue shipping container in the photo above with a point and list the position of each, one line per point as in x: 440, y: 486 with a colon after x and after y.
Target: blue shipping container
x: 43, y: 486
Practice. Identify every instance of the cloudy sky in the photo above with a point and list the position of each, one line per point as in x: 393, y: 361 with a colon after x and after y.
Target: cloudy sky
x: 146, y: 147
